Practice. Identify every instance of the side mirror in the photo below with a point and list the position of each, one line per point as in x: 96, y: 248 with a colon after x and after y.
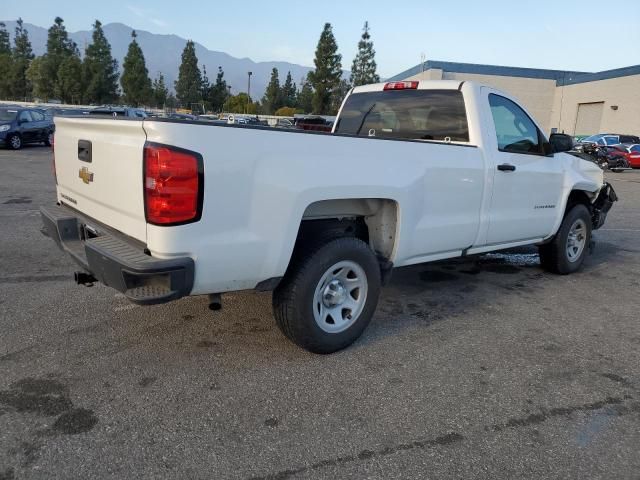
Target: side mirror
x: 561, y: 142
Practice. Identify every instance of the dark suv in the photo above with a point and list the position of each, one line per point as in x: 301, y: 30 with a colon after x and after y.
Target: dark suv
x: 19, y: 126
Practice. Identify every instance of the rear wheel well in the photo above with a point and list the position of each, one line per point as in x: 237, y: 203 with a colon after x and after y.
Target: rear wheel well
x: 373, y: 220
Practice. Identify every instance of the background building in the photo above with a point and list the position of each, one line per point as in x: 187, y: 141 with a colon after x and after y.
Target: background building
x: 577, y: 103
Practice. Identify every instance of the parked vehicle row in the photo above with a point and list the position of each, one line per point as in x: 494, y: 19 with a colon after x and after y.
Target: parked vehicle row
x: 606, y: 139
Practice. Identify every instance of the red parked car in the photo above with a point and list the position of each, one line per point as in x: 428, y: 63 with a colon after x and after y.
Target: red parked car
x: 632, y: 155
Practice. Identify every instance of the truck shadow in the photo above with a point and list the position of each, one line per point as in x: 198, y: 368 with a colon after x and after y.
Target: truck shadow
x: 423, y: 295
x: 418, y: 296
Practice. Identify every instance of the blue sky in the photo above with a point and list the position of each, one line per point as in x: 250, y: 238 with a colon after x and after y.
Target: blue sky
x: 573, y: 35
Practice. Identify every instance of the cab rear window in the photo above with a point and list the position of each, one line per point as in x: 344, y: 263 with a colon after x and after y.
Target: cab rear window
x: 406, y: 114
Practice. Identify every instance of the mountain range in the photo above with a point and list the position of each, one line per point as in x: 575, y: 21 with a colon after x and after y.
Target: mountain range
x: 163, y: 52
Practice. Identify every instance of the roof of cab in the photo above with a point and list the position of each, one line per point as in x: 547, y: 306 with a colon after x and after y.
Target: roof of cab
x: 422, y: 85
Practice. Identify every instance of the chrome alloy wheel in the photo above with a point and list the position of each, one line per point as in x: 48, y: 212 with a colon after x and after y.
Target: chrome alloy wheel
x: 576, y: 240
x: 340, y: 296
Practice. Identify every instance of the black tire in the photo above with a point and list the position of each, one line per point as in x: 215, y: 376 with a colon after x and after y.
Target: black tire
x: 47, y: 140
x: 554, y: 256
x: 14, y: 142
x: 293, y: 299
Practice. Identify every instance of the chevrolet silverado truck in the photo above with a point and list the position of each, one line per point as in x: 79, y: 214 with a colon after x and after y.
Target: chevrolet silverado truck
x: 413, y: 172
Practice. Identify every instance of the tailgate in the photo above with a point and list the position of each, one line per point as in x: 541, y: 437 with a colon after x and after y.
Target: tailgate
x: 99, y: 171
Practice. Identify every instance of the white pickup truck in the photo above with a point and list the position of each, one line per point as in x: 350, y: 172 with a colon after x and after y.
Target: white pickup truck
x: 413, y: 172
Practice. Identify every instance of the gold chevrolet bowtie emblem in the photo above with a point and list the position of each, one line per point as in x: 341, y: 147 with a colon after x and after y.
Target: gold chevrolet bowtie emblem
x: 85, y: 175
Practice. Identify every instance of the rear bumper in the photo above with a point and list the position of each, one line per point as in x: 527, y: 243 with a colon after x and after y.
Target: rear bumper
x: 113, y: 259
x: 603, y: 204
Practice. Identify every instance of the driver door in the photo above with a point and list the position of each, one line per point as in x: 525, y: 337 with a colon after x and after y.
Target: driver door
x: 527, y: 186
x: 27, y: 126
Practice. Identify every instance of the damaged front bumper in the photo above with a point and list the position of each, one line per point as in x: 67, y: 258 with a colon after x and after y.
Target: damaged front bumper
x: 602, y: 205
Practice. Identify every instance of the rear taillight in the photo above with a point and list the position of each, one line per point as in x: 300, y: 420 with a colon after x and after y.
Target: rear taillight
x: 401, y: 86
x: 173, y: 185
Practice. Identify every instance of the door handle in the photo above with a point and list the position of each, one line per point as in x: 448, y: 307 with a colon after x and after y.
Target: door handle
x: 506, y: 167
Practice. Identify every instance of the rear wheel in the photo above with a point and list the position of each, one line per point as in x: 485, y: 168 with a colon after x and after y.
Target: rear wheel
x: 328, y: 295
x: 14, y: 142
x: 566, y: 252
x: 49, y: 140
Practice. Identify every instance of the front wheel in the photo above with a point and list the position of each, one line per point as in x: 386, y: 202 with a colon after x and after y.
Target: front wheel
x: 14, y: 142
x: 328, y: 295
x: 566, y: 252
x: 49, y: 140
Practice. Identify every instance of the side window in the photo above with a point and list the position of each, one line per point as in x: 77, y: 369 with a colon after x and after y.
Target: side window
x: 516, y: 132
x: 600, y: 141
x: 24, y: 117
x: 37, y: 116
x: 611, y: 140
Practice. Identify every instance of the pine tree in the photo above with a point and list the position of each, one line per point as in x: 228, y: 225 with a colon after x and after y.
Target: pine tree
x: 69, y: 81
x: 100, y: 69
x: 206, y: 87
x: 59, y: 48
x: 289, y: 92
x: 272, y: 99
x: 20, y: 87
x: 218, y: 93
x: 5, y: 42
x: 326, y: 77
x: 304, y: 100
x: 5, y: 62
x: 160, y: 91
x: 363, y: 69
x: 338, y: 95
x: 189, y: 83
x: 38, y: 79
x: 135, y: 81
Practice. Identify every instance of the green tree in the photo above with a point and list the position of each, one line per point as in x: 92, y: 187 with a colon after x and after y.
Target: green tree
x: 241, y: 104
x: 172, y: 102
x: 304, y: 100
x: 285, y: 112
x: 338, y: 95
x: 218, y: 93
x: 326, y: 77
x: 160, y: 91
x: 37, y: 77
x: 206, y: 87
x: 5, y: 41
x: 363, y: 69
x: 272, y: 99
x: 22, y: 54
x: 5, y: 62
x: 135, y: 81
x: 289, y: 92
x: 69, y: 82
x: 189, y: 83
x: 100, y: 69
x: 59, y: 48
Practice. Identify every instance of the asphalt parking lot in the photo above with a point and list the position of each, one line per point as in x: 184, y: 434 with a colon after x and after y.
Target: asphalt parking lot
x: 483, y: 368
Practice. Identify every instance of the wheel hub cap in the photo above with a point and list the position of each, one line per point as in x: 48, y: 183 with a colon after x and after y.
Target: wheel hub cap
x: 340, y: 296
x: 334, y: 294
x: 576, y: 240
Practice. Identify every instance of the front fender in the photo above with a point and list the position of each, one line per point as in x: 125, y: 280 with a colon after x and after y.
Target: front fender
x: 580, y: 175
